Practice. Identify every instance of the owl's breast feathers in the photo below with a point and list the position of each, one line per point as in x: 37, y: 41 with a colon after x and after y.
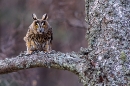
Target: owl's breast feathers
x: 41, y: 38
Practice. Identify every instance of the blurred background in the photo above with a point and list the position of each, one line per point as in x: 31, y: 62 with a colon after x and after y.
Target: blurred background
x: 67, y: 20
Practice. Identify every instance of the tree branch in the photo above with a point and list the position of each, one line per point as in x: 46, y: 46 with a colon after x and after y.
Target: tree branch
x: 67, y: 61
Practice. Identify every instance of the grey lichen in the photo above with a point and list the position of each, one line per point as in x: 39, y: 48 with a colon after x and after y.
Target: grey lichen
x: 108, y: 37
x: 73, y: 62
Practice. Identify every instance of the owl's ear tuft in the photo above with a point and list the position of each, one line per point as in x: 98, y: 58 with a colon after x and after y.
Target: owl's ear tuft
x: 34, y: 16
x: 45, y: 17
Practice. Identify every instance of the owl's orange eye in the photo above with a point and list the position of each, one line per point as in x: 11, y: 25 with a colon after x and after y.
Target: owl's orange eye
x: 36, y: 26
x: 36, y: 23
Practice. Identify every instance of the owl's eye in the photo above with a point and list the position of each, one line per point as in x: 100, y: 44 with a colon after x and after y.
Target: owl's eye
x: 42, y: 23
x: 36, y: 23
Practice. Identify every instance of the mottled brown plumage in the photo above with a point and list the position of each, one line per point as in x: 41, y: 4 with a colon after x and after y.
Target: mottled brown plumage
x: 39, y: 35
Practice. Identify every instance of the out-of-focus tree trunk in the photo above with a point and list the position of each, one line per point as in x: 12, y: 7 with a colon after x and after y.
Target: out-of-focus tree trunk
x: 106, y: 60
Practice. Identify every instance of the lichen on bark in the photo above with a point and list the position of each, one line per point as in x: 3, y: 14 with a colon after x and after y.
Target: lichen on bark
x: 109, y: 39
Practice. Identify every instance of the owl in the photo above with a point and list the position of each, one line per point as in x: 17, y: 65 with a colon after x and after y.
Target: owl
x: 39, y: 35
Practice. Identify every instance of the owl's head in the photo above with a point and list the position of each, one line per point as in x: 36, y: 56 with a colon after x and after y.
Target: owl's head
x: 40, y: 26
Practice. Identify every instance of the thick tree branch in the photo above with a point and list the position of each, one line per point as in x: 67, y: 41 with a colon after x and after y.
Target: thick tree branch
x: 70, y: 61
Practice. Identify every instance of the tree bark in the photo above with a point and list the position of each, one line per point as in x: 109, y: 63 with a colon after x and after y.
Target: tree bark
x: 106, y: 60
x: 66, y: 61
x: 109, y: 38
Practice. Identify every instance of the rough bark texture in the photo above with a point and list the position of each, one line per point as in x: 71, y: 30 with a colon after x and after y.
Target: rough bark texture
x: 109, y: 38
x: 67, y: 61
x: 105, y: 62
